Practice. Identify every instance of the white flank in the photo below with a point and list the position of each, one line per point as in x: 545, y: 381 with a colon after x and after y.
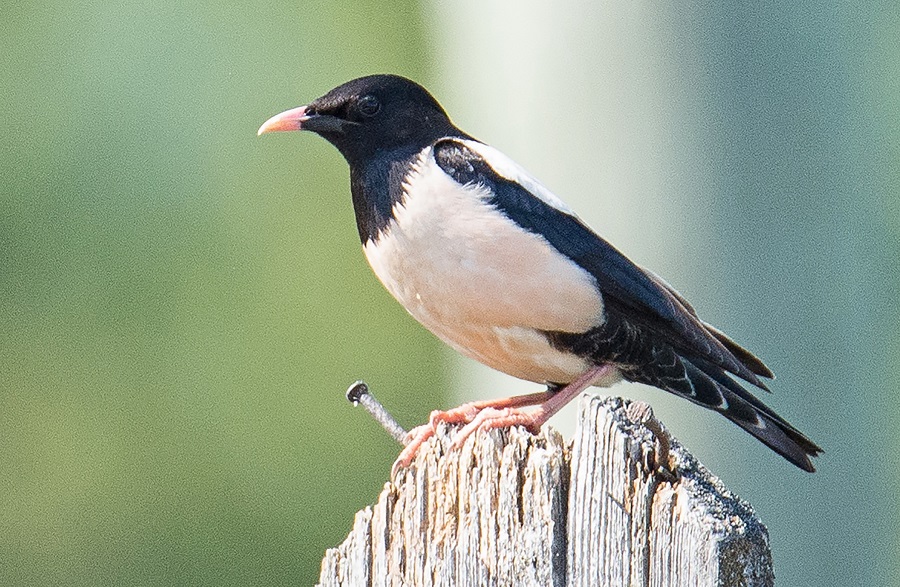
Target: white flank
x: 479, y: 282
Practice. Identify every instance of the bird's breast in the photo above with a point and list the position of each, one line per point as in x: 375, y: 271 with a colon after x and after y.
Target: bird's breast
x: 480, y: 282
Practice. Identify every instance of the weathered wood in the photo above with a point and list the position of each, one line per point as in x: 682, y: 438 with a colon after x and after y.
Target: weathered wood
x: 510, y: 508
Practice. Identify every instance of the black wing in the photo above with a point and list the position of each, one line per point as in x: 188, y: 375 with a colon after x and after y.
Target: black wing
x: 650, y: 331
x: 631, y: 289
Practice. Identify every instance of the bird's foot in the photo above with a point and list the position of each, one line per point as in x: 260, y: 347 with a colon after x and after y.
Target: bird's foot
x: 491, y: 418
x: 502, y: 413
x: 474, y: 415
x: 415, y: 438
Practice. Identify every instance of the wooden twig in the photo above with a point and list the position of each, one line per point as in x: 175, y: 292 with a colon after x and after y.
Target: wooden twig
x: 510, y: 508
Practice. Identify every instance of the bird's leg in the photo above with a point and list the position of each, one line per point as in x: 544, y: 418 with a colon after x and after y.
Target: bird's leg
x: 506, y: 417
x: 463, y: 415
x: 500, y: 413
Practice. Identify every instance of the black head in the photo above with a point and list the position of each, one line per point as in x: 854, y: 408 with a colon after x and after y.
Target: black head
x: 369, y: 116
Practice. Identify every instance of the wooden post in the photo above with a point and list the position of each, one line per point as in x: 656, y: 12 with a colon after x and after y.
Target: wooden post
x: 623, y: 506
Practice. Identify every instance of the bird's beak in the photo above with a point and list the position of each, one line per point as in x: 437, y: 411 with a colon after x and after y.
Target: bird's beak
x: 292, y: 119
x: 299, y: 119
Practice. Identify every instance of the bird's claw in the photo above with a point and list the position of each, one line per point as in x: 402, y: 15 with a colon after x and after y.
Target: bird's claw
x: 491, y: 418
x: 472, y: 418
x: 414, y: 439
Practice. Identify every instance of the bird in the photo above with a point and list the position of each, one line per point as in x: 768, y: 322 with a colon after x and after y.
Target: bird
x: 498, y: 267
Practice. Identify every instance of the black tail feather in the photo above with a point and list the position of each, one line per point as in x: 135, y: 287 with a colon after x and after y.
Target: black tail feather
x: 749, y: 360
x: 712, y: 388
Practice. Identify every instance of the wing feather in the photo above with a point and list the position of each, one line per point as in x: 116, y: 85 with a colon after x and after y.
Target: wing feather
x: 647, y: 299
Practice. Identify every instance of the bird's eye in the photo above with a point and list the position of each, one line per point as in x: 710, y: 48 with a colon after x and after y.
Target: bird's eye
x: 368, y: 105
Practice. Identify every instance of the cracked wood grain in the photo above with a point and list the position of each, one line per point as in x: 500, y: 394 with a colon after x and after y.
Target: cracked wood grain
x: 510, y: 508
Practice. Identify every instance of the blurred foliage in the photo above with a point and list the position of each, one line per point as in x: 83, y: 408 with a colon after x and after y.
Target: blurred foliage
x: 182, y: 304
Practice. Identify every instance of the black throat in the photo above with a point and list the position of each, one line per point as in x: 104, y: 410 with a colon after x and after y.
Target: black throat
x: 377, y: 186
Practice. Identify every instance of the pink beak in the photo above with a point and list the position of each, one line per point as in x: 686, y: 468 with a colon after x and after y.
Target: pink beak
x: 292, y: 119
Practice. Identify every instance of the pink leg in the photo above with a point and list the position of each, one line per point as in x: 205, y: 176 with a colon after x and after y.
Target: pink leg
x: 489, y: 419
x: 502, y: 413
x: 460, y: 415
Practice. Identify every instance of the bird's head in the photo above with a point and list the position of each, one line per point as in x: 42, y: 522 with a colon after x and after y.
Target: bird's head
x: 370, y: 115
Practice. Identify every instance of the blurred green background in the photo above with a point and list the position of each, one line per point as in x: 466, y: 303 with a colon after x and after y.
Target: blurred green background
x: 182, y: 304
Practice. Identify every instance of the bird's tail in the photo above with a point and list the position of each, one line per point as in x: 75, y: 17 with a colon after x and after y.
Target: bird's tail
x: 717, y: 391
x: 709, y: 386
